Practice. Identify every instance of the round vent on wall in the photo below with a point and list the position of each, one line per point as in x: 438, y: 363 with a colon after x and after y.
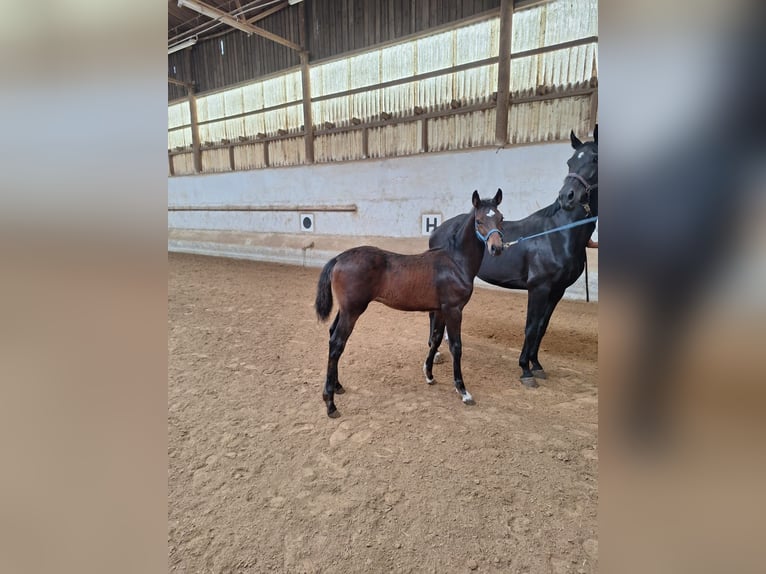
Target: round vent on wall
x: 307, y: 222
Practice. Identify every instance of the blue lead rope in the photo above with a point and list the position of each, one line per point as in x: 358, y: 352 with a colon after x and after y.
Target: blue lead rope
x: 561, y: 228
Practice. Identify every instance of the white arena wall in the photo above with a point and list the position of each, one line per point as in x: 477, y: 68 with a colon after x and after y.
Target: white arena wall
x: 390, y: 196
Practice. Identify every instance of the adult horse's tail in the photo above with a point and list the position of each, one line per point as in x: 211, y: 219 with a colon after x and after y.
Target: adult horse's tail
x: 323, y: 303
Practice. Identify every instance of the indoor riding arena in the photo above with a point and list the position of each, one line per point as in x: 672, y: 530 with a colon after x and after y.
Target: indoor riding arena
x: 298, y: 130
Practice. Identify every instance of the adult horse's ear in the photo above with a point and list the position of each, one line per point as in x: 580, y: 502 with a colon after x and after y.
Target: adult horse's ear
x: 476, y: 200
x: 595, y: 134
x: 575, y: 142
x: 498, y: 196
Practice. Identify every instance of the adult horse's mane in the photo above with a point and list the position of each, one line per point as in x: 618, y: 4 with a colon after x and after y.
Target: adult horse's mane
x: 548, y: 211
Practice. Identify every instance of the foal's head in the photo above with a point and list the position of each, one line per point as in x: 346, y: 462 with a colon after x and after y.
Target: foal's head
x: 582, y: 178
x: 487, y: 221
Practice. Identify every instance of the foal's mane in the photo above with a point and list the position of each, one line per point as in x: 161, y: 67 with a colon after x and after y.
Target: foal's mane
x: 468, y: 218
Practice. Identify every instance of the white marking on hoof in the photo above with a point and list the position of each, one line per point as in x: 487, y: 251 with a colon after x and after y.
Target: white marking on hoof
x: 438, y: 358
x: 467, y: 398
x: 429, y: 381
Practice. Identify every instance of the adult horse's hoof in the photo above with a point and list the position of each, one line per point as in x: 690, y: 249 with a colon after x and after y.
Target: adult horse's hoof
x: 529, y: 382
x: 467, y: 398
x: 438, y: 358
x: 334, y: 414
x: 339, y: 390
x: 539, y: 374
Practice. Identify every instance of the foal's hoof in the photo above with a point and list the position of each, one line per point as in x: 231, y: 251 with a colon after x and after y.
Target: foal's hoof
x: 333, y: 414
x: 539, y: 374
x: 529, y: 382
x: 438, y: 358
x: 467, y: 398
x: 339, y: 390
x: 430, y: 381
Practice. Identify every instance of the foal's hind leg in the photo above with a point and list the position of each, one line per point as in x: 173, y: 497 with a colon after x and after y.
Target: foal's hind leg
x: 434, y: 340
x: 438, y: 358
x: 454, y: 319
x: 339, y: 334
x: 339, y: 390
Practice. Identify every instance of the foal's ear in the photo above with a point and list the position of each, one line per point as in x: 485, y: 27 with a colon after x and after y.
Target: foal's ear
x: 498, y: 196
x: 476, y: 200
x: 595, y: 134
x: 575, y: 142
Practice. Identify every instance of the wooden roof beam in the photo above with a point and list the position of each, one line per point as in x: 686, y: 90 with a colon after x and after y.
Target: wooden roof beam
x: 239, y: 24
x: 522, y: 4
x: 186, y: 85
x: 268, y: 12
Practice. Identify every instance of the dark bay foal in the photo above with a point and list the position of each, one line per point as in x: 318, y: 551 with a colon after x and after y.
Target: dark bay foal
x: 439, y: 281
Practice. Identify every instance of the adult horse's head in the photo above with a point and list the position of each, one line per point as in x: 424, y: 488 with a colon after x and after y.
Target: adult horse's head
x: 582, y: 179
x: 487, y: 221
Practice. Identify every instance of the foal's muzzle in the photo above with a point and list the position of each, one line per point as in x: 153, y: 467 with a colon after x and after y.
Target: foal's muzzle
x: 494, y: 248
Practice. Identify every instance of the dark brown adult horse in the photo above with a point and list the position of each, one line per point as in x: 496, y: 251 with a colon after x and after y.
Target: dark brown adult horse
x: 544, y: 266
x: 439, y: 280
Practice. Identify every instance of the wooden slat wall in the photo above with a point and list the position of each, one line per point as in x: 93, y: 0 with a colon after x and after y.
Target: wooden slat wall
x: 552, y: 93
x: 340, y: 26
x: 336, y: 27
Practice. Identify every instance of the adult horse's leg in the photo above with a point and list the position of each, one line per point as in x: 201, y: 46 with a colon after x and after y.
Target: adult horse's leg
x: 434, y: 340
x: 338, y: 337
x: 537, y: 299
x: 454, y: 319
x: 550, y: 307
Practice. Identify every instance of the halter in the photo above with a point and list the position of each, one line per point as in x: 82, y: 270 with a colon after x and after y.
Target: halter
x: 588, y: 187
x: 486, y: 237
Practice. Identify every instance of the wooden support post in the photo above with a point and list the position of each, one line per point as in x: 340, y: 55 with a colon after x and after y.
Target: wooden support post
x: 365, y: 143
x: 308, y: 123
x: 231, y: 157
x: 171, y: 167
x: 196, y: 148
x: 504, y: 72
x: 424, y: 137
x: 593, y: 109
x: 266, y: 154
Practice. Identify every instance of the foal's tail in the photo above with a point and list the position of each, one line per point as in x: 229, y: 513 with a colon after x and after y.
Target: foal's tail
x: 323, y: 303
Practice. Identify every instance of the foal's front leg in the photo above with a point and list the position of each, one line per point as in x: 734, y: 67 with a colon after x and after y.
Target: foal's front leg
x: 454, y: 319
